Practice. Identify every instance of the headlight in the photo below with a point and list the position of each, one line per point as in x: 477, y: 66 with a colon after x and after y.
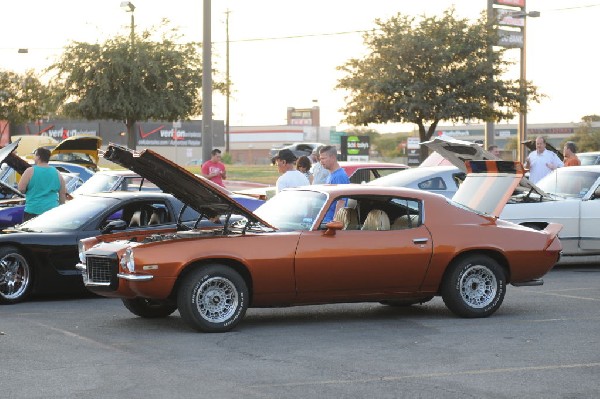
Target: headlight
x: 81, y: 249
x: 127, y: 262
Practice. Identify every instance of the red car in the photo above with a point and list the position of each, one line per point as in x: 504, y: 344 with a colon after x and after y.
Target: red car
x: 394, y: 246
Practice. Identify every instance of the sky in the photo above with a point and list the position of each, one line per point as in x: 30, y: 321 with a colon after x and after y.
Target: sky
x: 285, y: 54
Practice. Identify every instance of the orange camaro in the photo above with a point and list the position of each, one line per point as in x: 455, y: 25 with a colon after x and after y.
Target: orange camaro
x: 389, y: 245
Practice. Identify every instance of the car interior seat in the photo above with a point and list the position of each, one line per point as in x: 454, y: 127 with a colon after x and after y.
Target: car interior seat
x: 376, y: 220
x: 138, y: 219
x: 348, y: 217
x: 157, y: 216
x: 405, y: 222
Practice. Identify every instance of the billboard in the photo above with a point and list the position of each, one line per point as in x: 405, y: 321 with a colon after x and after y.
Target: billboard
x: 355, y: 148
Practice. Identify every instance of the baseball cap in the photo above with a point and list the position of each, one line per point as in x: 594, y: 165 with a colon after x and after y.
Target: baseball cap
x: 285, y: 155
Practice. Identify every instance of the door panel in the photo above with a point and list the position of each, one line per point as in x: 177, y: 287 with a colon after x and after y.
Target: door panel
x: 354, y: 262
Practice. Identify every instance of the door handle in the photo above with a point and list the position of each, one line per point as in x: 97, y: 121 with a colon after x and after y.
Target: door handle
x: 420, y: 241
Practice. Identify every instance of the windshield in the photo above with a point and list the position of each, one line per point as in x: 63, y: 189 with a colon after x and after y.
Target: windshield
x: 292, y: 210
x: 98, y: 183
x: 69, y: 216
x: 568, y: 182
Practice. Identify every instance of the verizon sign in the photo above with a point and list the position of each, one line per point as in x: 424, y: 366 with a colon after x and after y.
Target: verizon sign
x: 513, y: 3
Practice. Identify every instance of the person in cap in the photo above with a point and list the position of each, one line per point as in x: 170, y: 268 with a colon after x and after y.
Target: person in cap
x: 290, y: 177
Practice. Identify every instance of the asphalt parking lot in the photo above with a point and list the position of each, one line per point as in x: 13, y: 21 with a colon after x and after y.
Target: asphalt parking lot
x: 544, y: 342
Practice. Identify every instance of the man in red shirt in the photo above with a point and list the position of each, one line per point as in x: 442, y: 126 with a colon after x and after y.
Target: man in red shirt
x: 214, y: 169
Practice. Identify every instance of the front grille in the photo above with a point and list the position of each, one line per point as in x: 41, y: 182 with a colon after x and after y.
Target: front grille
x: 100, y: 269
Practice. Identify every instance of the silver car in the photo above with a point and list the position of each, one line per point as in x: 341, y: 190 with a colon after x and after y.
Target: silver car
x: 438, y: 179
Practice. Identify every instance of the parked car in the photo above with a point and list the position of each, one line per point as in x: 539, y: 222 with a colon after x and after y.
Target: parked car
x: 406, y: 247
x: 569, y: 196
x: 364, y: 172
x: 299, y: 149
x: 358, y: 172
x: 39, y: 256
x: 443, y: 180
x: 12, y: 202
x: 589, y: 158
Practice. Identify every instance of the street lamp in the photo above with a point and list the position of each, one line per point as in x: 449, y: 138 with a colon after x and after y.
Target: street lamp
x: 522, y: 130
x: 129, y: 7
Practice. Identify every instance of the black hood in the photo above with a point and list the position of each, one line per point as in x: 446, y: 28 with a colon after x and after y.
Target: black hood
x: 200, y: 194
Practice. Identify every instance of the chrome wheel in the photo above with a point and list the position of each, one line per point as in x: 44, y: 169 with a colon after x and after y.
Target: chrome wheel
x: 217, y: 299
x: 478, y: 286
x: 15, y: 277
x: 474, y: 286
x: 213, y: 298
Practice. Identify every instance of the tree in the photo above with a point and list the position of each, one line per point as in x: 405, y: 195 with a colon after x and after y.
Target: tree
x: 114, y: 80
x: 22, y: 97
x: 586, y: 137
x: 439, y: 68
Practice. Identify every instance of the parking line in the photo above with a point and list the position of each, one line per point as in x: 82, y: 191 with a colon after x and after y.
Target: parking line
x: 80, y: 337
x: 433, y: 375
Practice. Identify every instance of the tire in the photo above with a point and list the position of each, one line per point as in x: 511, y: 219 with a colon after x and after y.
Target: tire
x: 16, y: 276
x: 148, y: 308
x: 213, y: 299
x: 474, y: 286
x: 406, y: 302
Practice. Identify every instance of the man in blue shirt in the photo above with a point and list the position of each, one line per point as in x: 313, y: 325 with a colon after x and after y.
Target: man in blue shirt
x: 337, y: 175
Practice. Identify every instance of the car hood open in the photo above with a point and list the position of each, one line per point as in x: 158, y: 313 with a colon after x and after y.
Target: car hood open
x: 88, y: 145
x: 489, y: 185
x: 458, y: 152
x: 200, y: 194
x: 8, y: 156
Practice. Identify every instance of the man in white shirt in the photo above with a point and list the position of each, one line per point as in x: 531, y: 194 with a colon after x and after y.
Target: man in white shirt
x: 290, y: 177
x: 541, y: 161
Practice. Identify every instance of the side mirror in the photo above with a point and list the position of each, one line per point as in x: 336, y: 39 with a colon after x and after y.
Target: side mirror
x: 114, y: 225
x: 332, y: 227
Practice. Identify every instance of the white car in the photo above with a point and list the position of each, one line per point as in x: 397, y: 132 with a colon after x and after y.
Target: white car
x: 569, y: 196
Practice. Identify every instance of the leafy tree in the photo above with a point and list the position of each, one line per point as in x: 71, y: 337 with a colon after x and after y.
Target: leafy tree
x: 22, y: 97
x: 115, y: 80
x: 438, y: 68
x: 586, y: 137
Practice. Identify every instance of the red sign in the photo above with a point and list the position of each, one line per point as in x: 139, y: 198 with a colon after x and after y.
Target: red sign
x: 514, y: 3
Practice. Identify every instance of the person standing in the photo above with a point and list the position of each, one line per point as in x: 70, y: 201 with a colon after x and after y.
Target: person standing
x: 303, y: 165
x: 569, y: 152
x: 319, y: 172
x: 541, y: 161
x: 290, y: 177
x: 495, y: 151
x: 43, y: 186
x: 214, y: 169
x: 337, y: 175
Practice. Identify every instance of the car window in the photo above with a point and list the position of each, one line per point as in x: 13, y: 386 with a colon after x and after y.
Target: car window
x: 568, y: 183
x: 137, y: 183
x: 435, y: 183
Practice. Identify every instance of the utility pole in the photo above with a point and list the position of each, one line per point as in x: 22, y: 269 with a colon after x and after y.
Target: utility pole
x: 207, y: 140
x: 227, y: 81
x: 489, y: 125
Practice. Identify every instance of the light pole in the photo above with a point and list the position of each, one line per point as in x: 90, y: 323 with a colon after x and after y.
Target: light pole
x: 131, y: 139
x: 129, y: 7
x: 522, y: 130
